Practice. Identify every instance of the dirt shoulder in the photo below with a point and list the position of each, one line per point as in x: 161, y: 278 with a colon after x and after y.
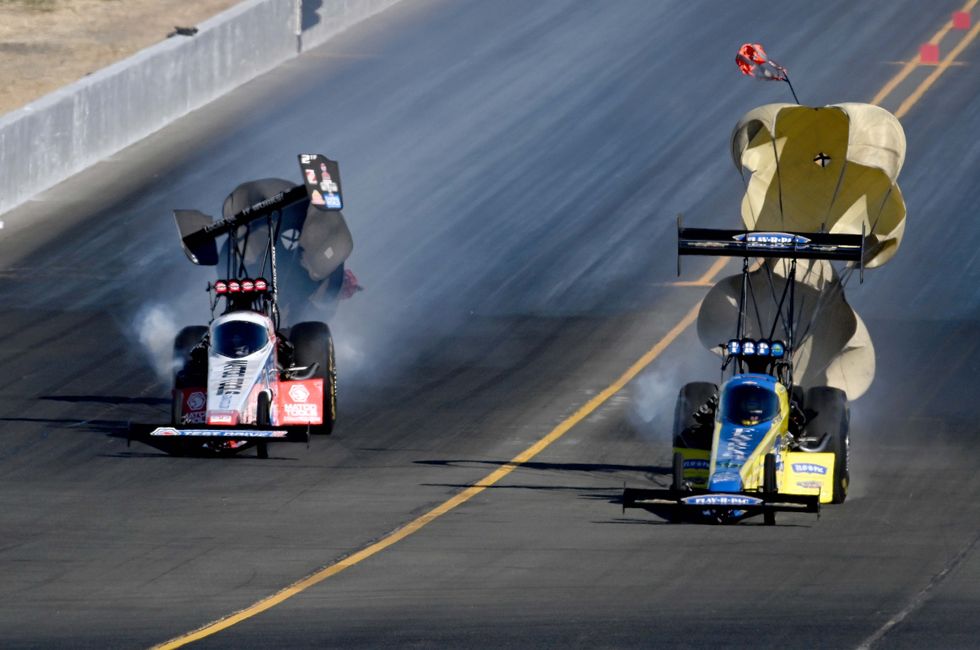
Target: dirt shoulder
x: 46, y: 44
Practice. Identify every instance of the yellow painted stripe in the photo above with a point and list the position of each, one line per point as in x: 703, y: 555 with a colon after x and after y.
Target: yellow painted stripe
x: 464, y: 496
x: 494, y: 477
x: 715, y: 269
x: 913, y: 63
x: 926, y: 84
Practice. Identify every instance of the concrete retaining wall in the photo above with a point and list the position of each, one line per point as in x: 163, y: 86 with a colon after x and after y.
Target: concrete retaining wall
x: 64, y: 132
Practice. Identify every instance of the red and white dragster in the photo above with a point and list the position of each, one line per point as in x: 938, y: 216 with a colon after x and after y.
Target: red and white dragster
x: 245, y: 380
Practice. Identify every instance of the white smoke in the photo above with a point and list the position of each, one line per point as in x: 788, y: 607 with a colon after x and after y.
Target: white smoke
x: 350, y: 350
x: 156, y: 327
x: 652, y: 399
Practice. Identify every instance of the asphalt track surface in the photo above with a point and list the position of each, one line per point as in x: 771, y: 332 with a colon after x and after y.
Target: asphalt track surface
x: 512, y: 171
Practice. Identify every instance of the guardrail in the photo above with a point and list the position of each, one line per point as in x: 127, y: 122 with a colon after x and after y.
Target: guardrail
x: 74, y: 127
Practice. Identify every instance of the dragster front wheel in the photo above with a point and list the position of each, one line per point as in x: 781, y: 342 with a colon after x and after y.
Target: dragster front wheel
x: 678, y: 483
x: 263, y: 418
x: 769, y: 486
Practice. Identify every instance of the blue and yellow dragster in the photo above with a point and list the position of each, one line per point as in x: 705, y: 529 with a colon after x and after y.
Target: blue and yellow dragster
x: 759, y: 444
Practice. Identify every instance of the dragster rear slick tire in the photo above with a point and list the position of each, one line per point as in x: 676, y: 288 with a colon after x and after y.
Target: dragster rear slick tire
x: 186, y: 375
x: 831, y: 418
x: 769, y: 487
x: 313, y: 344
x: 688, y: 432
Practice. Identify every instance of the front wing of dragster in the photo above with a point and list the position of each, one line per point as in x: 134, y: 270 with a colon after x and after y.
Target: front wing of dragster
x: 682, y: 504
x: 213, y: 434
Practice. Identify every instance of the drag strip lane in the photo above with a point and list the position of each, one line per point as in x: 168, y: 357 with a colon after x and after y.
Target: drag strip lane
x: 587, y: 409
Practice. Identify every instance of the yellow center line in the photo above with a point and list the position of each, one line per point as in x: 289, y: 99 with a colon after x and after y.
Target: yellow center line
x: 914, y: 62
x: 460, y: 498
x: 715, y: 269
x: 917, y: 94
x: 706, y: 279
x: 566, y: 425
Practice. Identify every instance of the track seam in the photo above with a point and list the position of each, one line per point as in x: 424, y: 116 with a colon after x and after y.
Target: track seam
x: 920, y: 598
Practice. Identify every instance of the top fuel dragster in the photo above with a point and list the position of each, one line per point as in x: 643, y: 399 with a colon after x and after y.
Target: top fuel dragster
x: 759, y: 444
x: 246, y: 379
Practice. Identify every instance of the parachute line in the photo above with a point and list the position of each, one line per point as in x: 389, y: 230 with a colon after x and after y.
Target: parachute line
x: 779, y: 181
x: 780, y: 316
x: 755, y: 305
x: 833, y: 198
x: 791, y: 89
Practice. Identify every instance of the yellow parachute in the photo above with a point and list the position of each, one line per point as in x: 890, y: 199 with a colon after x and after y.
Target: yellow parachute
x: 831, y: 169
x: 828, y: 169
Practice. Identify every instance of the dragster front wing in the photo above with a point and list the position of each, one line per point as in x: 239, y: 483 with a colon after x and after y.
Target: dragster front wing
x: 149, y: 431
x: 677, y: 504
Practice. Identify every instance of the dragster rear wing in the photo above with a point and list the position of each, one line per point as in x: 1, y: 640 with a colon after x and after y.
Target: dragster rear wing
x: 769, y: 244
x: 321, y: 186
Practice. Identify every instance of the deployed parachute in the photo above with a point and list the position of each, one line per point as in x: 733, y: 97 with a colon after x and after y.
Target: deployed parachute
x: 830, y: 169
x: 831, y: 343
x: 312, y: 246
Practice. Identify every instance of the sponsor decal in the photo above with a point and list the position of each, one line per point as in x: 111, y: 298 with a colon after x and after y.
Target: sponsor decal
x: 738, y: 446
x: 194, y: 417
x: 310, y: 176
x: 696, y: 463
x: 726, y: 476
x: 219, y: 433
x: 299, y: 393
x: 721, y: 500
x: 809, y: 468
x: 221, y: 418
x: 813, y: 485
x: 302, y: 402
x: 232, y: 378
x: 307, y: 158
x: 316, y: 198
x: 772, y: 239
x: 303, y: 411
x: 333, y: 201
x: 196, y: 401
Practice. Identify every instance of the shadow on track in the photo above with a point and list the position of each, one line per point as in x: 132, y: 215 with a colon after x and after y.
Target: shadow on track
x: 113, y: 428
x: 562, y: 467
x: 109, y: 399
